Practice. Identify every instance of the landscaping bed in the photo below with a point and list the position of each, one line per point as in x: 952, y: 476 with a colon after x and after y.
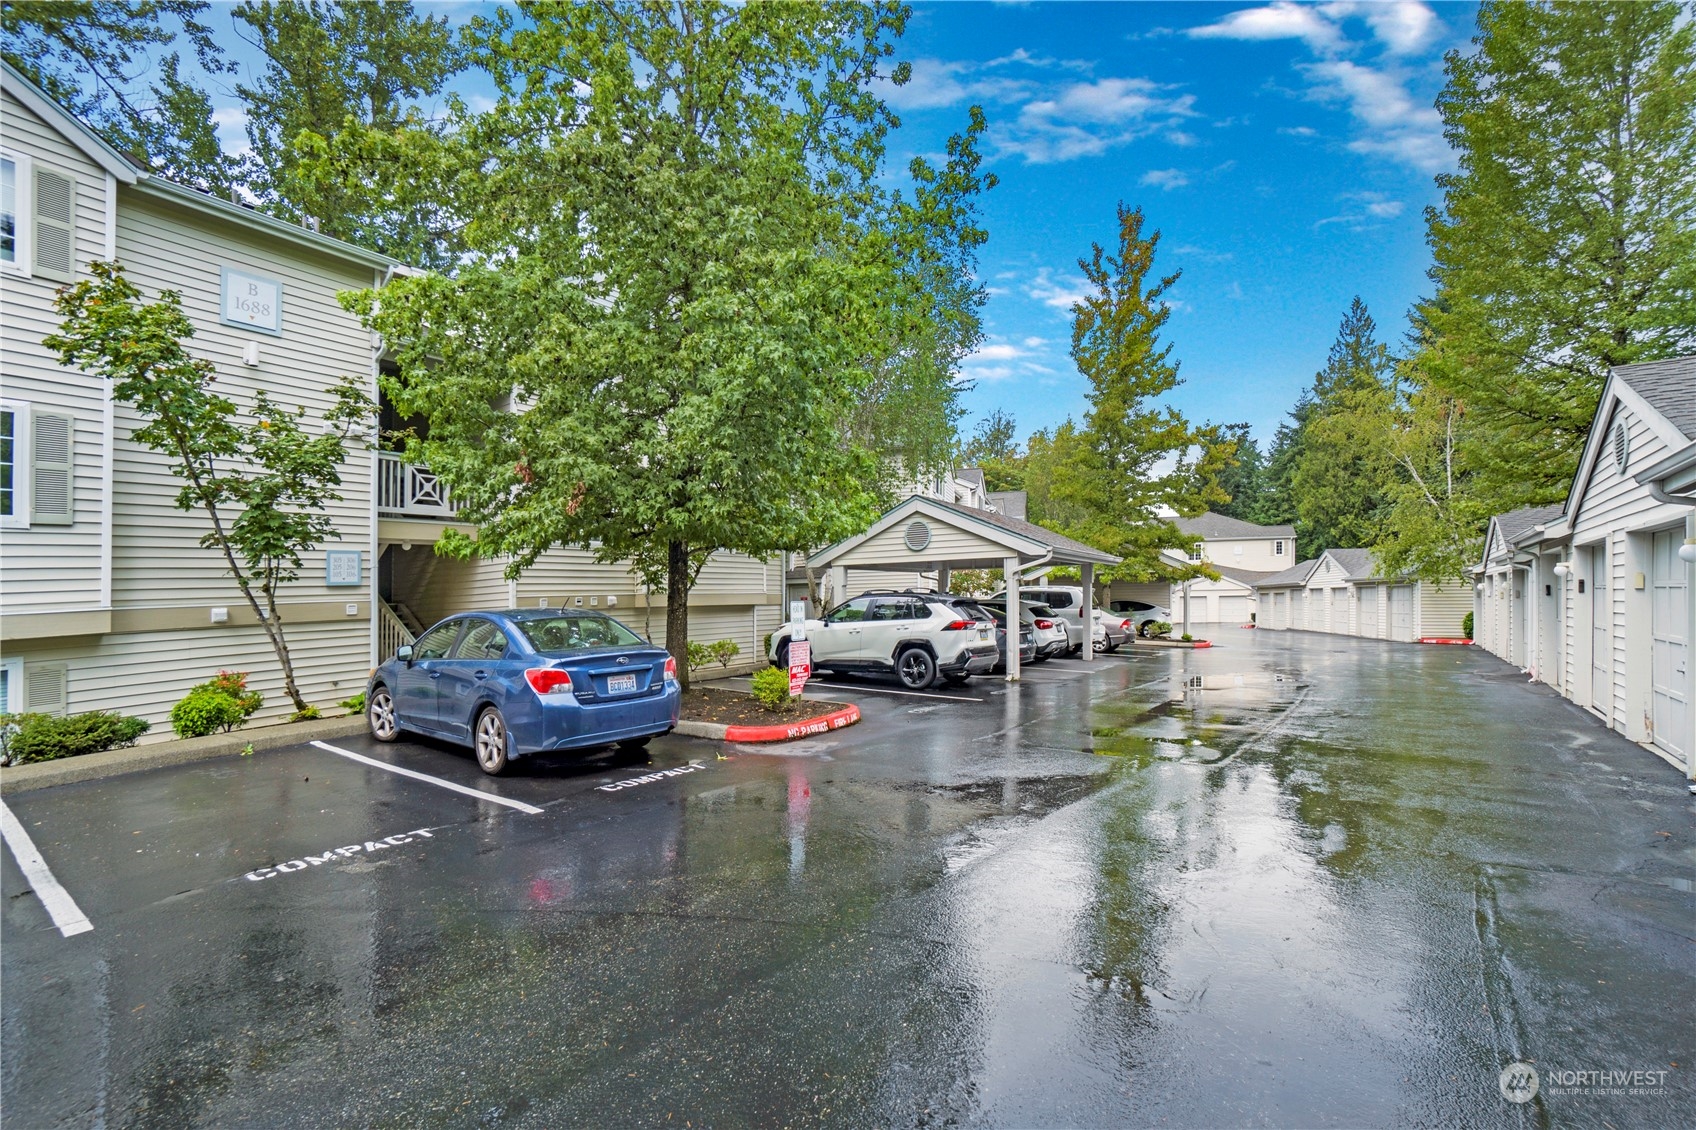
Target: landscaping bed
x: 737, y: 708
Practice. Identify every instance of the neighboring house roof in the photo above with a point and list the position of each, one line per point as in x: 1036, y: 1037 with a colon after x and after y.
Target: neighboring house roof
x: 1519, y: 525
x: 1669, y: 387
x: 972, y: 475
x: 1220, y: 527
x: 1248, y: 577
x: 126, y: 171
x: 1296, y: 575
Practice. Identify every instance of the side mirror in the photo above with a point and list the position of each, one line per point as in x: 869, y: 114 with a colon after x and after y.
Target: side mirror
x: 404, y: 654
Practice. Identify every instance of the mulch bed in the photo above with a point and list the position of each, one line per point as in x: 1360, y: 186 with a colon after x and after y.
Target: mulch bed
x: 734, y: 708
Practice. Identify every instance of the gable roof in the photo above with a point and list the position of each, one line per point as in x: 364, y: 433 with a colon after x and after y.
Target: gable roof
x: 125, y: 171
x: 1250, y: 577
x: 1669, y: 387
x: 972, y: 475
x: 1665, y: 380
x: 1517, y: 525
x: 1017, y: 536
x: 1064, y: 547
x: 1221, y: 527
x: 1294, y: 576
x: 1357, y: 564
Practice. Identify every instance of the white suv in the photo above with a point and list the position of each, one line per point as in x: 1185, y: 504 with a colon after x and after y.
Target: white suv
x: 1067, y: 601
x: 919, y: 636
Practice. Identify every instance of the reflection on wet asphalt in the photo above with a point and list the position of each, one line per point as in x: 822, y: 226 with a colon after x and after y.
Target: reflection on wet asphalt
x: 1293, y: 880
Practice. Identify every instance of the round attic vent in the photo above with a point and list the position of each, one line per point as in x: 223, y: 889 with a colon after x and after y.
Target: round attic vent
x: 1622, y: 446
x: 918, y: 535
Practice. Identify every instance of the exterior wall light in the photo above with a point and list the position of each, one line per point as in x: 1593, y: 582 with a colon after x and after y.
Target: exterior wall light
x: 1687, y: 551
x: 1562, y: 568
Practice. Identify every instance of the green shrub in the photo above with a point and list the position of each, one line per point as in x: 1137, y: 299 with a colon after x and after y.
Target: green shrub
x: 1187, y: 638
x: 306, y: 714
x: 765, y: 644
x: 771, y: 688
x: 234, y: 684
x: 203, y: 712
x: 1160, y: 629
x: 723, y: 651
x: 45, y: 737
x: 699, y: 655
x: 1466, y: 625
x: 354, y: 705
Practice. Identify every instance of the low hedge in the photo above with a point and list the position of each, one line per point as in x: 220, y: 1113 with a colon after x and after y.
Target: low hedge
x: 26, y: 738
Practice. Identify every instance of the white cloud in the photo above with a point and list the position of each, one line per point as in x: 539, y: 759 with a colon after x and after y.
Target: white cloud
x: 1402, y: 26
x: 1035, y: 342
x: 1279, y: 20
x: 1167, y: 179
x: 1299, y: 131
x: 1061, y: 296
x: 1363, y: 211
x: 1397, y: 125
x: 1181, y: 139
x: 1001, y: 352
x: 1082, y: 119
x: 1201, y: 254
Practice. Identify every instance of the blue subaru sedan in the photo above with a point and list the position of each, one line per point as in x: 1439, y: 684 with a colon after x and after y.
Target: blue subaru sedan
x: 525, y: 681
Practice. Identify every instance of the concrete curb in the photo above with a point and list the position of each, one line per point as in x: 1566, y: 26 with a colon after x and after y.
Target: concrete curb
x: 712, y: 730
x: 783, y: 732
x: 1180, y: 644
x: 136, y: 759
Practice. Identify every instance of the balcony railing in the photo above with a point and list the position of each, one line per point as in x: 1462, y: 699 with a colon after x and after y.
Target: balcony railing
x: 409, y: 490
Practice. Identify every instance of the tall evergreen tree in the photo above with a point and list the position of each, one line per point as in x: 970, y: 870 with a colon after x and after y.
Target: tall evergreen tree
x: 94, y: 57
x: 1338, y: 479
x: 359, y: 63
x: 1126, y: 434
x: 1244, y: 477
x: 1566, y: 242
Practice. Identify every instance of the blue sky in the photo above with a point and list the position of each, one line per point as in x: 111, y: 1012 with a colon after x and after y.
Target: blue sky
x: 1286, y: 152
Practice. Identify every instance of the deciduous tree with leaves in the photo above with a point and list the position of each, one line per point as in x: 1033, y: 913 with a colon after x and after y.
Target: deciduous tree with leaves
x: 262, y: 478
x: 682, y: 278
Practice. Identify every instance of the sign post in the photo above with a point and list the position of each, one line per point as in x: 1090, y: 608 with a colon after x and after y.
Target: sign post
x: 800, y: 651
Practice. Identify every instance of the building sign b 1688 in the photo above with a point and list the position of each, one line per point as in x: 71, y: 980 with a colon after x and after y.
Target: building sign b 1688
x: 252, y: 301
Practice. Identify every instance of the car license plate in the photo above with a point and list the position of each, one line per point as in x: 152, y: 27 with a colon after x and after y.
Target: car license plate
x: 621, y: 684
x: 983, y: 633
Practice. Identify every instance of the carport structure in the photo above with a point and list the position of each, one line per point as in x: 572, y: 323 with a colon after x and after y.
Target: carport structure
x: 922, y: 533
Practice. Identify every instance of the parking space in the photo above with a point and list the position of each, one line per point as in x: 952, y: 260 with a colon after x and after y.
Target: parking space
x: 1166, y: 853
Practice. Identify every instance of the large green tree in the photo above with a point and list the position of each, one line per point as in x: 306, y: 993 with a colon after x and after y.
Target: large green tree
x: 94, y: 57
x: 331, y: 65
x: 1566, y: 241
x: 1338, y: 479
x: 1133, y: 454
x: 682, y: 276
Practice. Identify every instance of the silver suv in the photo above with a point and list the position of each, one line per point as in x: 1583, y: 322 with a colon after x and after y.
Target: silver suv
x: 1067, y: 601
x: 920, y: 637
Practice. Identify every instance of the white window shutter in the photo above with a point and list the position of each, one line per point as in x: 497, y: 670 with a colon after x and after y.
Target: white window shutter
x: 44, y: 689
x: 51, y: 438
x: 55, y: 230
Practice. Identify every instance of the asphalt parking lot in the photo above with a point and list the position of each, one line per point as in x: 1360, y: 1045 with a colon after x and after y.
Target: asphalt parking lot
x: 1292, y: 880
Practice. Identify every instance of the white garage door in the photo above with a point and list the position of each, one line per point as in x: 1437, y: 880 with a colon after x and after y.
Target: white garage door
x: 1368, y: 624
x: 1401, y: 613
x: 1669, y: 620
x: 1233, y: 609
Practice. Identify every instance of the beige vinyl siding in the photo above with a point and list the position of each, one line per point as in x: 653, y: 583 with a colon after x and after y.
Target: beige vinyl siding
x: 146, y: 673
x: 54, y: 567
x: 157, y: 558
x: 1441, y: 609
x: 946, y: 542
x: 863, y: 580
x: 435, y: 588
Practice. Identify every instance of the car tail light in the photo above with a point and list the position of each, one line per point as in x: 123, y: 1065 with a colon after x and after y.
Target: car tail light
x: 959, y: 626
x: 548, y: 680
x: 670, y: 669
x: 1045, y: 625
x: 1125, y: 625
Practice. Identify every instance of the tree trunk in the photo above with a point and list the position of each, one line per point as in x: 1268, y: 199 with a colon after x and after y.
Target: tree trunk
x: 677, y: 607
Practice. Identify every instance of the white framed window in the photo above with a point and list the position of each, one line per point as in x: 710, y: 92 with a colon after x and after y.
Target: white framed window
x: 11, y: 686
x: 1277, y: 549
x: 14, y: 213
x: 1195, y: 556
x: 14, y: 465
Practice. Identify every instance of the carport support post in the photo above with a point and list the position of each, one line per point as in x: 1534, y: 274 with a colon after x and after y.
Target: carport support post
x: 1088, y: 571
x: 1015, y: 611
x: 942, y: 578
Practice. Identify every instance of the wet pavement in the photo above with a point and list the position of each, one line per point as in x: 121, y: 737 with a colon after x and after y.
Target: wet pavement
x: 1290, y: 881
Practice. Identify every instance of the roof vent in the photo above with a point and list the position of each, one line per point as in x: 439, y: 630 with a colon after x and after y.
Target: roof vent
x: 918, y: 536
x: 1622, y: 446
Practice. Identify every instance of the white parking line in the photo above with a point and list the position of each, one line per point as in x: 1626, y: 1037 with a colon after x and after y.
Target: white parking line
x: 425, y: 777
x: 61, y: 907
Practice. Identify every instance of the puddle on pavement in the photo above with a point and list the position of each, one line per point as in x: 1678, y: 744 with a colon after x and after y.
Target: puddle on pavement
x: 1203, y: 718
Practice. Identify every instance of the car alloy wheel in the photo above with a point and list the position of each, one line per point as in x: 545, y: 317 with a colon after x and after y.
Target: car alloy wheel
x: 491, y: 742
x: 917, y: 669
x: 380, y: 713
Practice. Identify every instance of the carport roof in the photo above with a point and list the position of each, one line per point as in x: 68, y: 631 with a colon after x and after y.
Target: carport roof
x: 992, y: 533
x: 1293, y: 577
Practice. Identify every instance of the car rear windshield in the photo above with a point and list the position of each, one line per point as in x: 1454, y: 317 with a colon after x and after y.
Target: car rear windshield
x: 971, y: 610
x: 575, y: 631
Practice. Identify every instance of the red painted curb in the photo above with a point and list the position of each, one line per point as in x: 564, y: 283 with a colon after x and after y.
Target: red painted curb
x: 823, y: 724
x: 1202, y: 643
x: 1440, y: 639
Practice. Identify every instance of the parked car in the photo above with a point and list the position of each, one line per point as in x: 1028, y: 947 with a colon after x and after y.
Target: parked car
x: 917, y: 636
x: 513, y: 683
x: 1112, y: 631
x: 1027, y: 637
x: 1142, y: 613
x: 1067, y: 602
x: 1051, y: 636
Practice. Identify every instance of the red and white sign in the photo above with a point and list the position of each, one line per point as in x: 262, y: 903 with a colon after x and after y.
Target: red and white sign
x: 800, y: 665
